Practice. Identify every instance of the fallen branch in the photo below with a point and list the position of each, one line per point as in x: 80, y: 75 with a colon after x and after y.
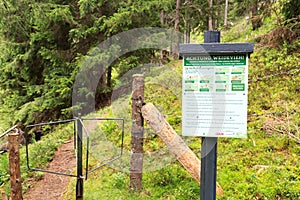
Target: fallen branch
x: 174, y: 142
x: 292, y: 136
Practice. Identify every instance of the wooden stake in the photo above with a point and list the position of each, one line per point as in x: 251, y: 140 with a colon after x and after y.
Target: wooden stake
x: 174, y: 142
x: 14, y: 164
x: 137, y: 134
x: 4, y: 196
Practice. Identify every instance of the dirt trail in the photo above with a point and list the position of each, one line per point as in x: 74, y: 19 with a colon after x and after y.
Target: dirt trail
x: 51, y: 186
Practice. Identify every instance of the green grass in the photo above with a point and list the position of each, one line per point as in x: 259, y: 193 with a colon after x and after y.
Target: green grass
x: 242, y: 31
x: 169, y: 183
x: 259, y: 167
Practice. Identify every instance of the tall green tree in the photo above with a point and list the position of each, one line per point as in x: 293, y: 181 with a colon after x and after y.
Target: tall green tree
x: 45, y: 41
x: 35, y: 66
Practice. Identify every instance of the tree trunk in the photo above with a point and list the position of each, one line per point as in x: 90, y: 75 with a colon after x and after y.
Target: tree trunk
x: 256, y: 19
x: 226, y: 13
x: 218, y: 15
x: 177, y: 21
x: 177, y: 17
x: 188, y: 22
x: 109, y: 71
x: 174, y: 142
x: 163, y: 53
x: 162, y: 17
x: 210, y: 16
x: 108, y: 80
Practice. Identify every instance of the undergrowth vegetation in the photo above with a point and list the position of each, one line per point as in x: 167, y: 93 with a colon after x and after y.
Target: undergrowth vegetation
x: 40, y: 154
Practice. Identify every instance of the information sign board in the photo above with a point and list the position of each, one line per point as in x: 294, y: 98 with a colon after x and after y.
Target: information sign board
x: 214, y: 95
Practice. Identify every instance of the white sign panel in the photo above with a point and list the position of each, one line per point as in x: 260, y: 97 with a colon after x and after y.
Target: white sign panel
x: 214, y: 95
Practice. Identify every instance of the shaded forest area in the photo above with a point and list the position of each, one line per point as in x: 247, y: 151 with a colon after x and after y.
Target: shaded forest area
x: 44, y: 42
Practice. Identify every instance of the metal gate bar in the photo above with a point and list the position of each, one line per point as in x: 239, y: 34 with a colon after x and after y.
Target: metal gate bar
x: 122, y: 142
x: 27, y: 149
x: 79, y: 128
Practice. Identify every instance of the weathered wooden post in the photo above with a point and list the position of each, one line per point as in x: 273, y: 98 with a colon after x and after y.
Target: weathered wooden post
x: 14, y: 165
x: 137, y: 133
x: 4, y: 196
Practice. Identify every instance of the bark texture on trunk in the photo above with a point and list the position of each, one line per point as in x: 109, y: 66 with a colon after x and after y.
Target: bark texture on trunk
x: 137, y: 134
x: 14, y: 165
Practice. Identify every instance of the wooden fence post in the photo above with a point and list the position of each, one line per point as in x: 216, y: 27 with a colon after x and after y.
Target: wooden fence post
x: 137, y: 133
x: 14, y: 165
x: 4, y: 196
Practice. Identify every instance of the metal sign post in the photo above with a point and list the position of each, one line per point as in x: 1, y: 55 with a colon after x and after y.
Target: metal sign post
x: 208, y: 177
x: 79, y: 183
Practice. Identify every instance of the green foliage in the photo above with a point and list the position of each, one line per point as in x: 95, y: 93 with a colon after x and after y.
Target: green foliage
x: 274, y: 74
x: 130, y: 14
x: 36, y: 74
x: 290, y: 9
x: 44, y: 43
x: 120, y: 180
x: 4, y: 166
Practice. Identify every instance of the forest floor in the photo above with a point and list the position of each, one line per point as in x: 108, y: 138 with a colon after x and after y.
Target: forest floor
x: 52, y: 186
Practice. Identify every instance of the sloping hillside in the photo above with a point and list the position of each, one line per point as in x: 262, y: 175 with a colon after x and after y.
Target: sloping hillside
x: 264, y: 166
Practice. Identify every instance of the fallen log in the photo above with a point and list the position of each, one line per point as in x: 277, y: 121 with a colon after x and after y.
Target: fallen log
x: 174, y: 142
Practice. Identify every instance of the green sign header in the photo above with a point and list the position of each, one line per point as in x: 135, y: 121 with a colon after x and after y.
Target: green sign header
x: 215, y: 60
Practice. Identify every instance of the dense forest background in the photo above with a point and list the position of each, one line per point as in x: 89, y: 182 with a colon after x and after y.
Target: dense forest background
x: 44, y: 42
x: 45, y: 45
